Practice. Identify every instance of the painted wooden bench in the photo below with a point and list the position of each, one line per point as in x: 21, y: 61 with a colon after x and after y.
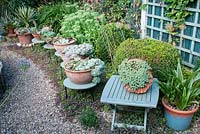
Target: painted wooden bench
x: 114, y: 93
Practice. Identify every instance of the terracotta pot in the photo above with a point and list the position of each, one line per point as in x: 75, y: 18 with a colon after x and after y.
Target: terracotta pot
x: 61, y: 47
x: 10, y: 30
x: 36, y: 35
x: 176, y: 119
x: 25, y: 38
x: 79, y: 77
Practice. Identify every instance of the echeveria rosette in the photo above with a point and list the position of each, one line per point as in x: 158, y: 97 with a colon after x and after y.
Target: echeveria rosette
x: 134, y: 73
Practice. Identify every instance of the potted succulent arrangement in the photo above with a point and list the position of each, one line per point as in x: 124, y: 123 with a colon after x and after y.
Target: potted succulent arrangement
x: 24, y: 35
x: 25, y: 16
x: 72, y: 51
x: 180, y: 98
x: 136, y: 75
x: 84, y: 71
x: 47, y: 34
x: 60, y: 43
x: 9, y: 22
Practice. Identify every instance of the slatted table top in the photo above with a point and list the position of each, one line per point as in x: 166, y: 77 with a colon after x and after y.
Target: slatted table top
x: 115, y: 93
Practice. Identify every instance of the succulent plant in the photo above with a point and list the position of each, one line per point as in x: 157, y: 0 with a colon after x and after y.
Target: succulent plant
x: 61, y: 41
x: 23, y: 30
x: 95, y: 65
x: 47, y: 33
x: 35, y: 30
x: 78, y: 50
x: 134, y: 72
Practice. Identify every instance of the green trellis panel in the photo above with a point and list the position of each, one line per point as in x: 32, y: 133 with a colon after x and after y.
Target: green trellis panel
x: 188, y: 40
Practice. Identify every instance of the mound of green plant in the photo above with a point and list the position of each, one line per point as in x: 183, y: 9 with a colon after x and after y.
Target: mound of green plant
x: 54, y: 13
x: 88, y: 118
x: 84, y: 25
x: 161, y: 56
x: 110, y: 37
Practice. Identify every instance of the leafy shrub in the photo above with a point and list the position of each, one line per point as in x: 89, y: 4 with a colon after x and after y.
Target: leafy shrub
x: 84, y: 25
x: 88, y: 118
x: 161, y: 56
x: 111, y: 35
x: 53, y: 14
x: 197, y: 64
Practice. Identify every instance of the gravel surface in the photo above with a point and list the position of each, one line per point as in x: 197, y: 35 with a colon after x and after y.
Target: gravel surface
x: 31, y: 107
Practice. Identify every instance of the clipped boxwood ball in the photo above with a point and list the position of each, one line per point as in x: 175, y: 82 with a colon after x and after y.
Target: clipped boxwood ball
x: 161, y: 56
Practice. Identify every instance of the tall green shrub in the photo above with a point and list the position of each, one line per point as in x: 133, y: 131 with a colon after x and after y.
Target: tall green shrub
x: 54, y: 13
x: 84, y: 25
x: 161, y: 56
x: 110, y: 37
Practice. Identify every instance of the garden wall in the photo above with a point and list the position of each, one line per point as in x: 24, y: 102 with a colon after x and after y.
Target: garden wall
x: 187, y: 40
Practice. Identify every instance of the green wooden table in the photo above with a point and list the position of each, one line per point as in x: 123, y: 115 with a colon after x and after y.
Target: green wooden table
x: 115, y: 93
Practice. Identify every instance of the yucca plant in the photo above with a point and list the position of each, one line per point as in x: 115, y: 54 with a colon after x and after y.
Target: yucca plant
x: 8, y: 19
x: 25, y: 16
x: 181, y: 91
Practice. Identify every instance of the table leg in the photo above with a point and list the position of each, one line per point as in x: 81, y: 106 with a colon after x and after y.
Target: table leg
x: 66, y: 95
x: 145, y: 118
x: 113, y: 118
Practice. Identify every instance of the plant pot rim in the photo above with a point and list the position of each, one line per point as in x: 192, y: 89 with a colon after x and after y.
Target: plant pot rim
x: 178, y: 111
x: 74, y: 71
x: 73, y: 40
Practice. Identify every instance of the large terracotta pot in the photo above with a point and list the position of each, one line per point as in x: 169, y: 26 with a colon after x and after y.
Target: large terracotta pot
x: 25, y: 38
x: 176, y: 119
x: 79, y: 77
x: 61, y: 47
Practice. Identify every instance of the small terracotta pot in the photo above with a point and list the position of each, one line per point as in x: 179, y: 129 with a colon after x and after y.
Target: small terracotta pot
x: 176, y: 119
x: 61, y: 47
x: 10, y: 30
x: 36, y: 35
x: 79, y: 77
x: 25, y: 38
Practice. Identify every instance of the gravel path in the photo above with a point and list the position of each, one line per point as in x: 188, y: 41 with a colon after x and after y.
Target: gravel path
x: 31, y: 107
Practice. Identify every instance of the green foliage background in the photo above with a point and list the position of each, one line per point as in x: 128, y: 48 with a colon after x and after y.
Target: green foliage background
x: 161, y: 56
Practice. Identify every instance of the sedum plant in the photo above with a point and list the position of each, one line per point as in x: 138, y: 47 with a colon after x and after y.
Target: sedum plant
x: 134, y: 72
x: 79, y: 50
x: 95, y: 65
x: 180, y: 91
